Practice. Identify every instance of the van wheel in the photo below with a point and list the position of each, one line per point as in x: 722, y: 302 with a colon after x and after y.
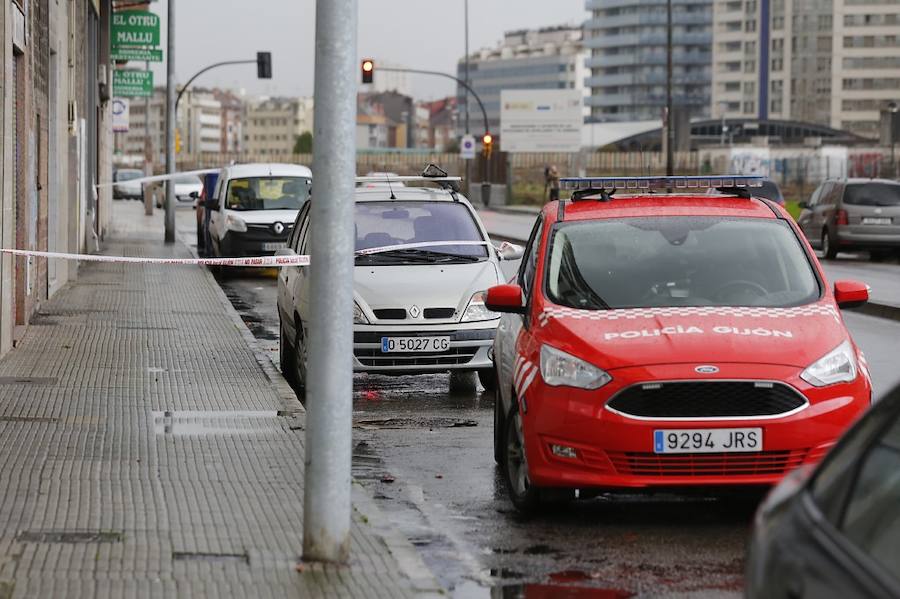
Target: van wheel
x: 286, y: 355
x: 488, y: 378
x: 525, y: 496
x: 829, y: 248
x: 463, y: 382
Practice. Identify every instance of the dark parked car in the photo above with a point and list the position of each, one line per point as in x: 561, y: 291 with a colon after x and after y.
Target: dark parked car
x: 834, y: 530
x: 853, y: 214
x: 770, y: 191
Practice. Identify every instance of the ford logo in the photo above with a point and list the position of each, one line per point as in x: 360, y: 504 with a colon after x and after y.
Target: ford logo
x: 706, y: 369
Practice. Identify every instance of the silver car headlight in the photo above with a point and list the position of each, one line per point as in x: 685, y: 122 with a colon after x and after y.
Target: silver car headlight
x: 358, y: 316
x: 476, y: 310
x: 837, y: 366
x: 235, y: 223
x: 561, y: 369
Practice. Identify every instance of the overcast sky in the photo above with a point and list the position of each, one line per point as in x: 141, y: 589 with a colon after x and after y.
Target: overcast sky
x: 426, y: 34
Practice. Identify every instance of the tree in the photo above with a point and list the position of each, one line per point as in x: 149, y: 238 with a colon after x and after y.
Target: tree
x: 303, y: 143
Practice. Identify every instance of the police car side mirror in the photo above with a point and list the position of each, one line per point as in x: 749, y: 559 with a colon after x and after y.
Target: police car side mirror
x: 505, y: 298
x: 850, y: 294
x: 510, y: 251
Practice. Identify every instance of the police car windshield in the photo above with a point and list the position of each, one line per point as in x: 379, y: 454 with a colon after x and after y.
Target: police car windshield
x: 381, y: 224
x: 679, y: 261
x: 267, y: 193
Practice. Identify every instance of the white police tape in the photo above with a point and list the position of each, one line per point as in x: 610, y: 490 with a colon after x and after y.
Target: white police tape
x: 252, y: 261
x: 165, y: 177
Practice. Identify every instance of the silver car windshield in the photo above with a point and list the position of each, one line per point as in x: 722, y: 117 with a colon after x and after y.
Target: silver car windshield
x: 381, y: 224
x: 679, y: 261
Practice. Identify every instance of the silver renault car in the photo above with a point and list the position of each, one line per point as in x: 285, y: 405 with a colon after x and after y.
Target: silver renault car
x: 419, y: 302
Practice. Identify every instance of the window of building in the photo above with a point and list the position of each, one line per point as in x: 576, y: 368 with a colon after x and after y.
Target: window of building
x: 777, y: 65
x: 750, y: 48
x: 750, y: 7
x: 749, y: 66
x: 750, y: 25
x: 777, y: 23
x: 732, y: 86
x: 749, y: 107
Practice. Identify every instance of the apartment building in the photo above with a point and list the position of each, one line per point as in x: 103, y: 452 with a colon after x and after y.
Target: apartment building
x: 832, y: 62
x: 627, y: 62
x: 272, y: 125
x: 547, y: 58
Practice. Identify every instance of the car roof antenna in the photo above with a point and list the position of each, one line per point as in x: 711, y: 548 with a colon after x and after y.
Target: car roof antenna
x: 391, y: 187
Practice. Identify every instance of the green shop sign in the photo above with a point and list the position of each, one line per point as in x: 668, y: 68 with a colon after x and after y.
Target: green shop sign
x: 134, y: 29
x: 131, y: 84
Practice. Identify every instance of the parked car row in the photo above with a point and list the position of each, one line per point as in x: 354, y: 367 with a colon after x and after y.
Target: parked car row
x: 649, y: 341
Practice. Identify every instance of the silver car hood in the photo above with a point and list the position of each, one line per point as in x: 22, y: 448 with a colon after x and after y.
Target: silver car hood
x: 422, y: 285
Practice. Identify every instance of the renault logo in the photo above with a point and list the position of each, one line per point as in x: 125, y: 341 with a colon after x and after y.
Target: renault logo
x: 414, y: 311
x: 278, y: 228
x: 706, y: 369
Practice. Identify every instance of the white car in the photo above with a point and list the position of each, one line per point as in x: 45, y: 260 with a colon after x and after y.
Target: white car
x: 254, y: 207
x: 126, y: 187
x: 418, y: 309
x: 187, y: 185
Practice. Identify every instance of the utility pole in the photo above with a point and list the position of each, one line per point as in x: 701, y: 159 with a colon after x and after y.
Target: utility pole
x: 466, y: 95
x: 670, y: 130
x: 170, y: 124
x: 148, y: 151
x: 329, y: 385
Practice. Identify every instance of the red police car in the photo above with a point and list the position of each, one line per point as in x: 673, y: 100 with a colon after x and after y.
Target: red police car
x: 669, y: 340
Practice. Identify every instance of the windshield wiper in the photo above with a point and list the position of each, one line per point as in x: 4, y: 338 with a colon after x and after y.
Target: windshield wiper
x: 396, y: 256
x: 428, y: 256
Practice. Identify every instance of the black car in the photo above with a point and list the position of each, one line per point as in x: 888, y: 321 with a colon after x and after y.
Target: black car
x: 834, y: 530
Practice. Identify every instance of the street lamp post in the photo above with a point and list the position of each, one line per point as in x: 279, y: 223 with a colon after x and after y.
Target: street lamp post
x: 893, y: 107
x: 170, y: 124
x: 670, y: 130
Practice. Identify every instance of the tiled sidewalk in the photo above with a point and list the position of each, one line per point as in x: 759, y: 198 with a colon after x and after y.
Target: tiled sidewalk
x: 148, y: 449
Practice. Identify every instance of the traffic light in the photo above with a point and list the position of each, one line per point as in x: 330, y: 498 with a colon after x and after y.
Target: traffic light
x: 368, y: 70
x: 487, y: 144
x: 264, y: 65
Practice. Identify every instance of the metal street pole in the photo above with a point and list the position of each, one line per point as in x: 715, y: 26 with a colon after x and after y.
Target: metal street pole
x: 466, y: 97
x: 170, y: 124
x: 670, y: 130
x: 148, y: 151
x: 329, y: 388
x: 893, y: 107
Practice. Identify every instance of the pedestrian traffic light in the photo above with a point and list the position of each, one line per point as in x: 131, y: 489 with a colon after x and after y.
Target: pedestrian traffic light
x: 487, y: 144
x: 264, y: 65
x: 368, y: 70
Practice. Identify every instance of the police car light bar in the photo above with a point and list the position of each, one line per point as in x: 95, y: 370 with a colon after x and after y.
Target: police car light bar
x: 407, y: 179
x: 649, y: 183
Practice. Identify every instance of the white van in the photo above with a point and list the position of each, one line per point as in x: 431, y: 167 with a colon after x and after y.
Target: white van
x: 254, y: 207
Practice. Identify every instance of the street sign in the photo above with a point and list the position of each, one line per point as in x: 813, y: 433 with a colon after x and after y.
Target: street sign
x: 120, y: 110
x: 138, y: 28
x: 541, y: 120
x: 142, y: 54
x: 132, y: 84
x: 467, y: 147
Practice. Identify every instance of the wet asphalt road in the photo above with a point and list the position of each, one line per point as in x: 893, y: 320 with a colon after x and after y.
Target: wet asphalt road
x: 426, y: 456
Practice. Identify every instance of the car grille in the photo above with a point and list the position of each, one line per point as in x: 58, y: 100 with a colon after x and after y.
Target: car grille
x: 401, y: 314
x: 390, y: 314
x: 464, y: 335
x: 707, y: 399
x: 451, y: 357
x: 707, y: 464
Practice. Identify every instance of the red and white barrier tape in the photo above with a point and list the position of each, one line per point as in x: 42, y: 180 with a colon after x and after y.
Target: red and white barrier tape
x: 254, y: 261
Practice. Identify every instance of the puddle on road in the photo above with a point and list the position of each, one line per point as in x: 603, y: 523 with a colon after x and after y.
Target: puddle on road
x: 222, y: 422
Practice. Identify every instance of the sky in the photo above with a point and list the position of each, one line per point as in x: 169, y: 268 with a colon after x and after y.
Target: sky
x: 425, y: 34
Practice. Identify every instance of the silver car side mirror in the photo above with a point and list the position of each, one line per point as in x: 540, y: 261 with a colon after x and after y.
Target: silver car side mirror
x: 285, y: 252
x: 510, y: 251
